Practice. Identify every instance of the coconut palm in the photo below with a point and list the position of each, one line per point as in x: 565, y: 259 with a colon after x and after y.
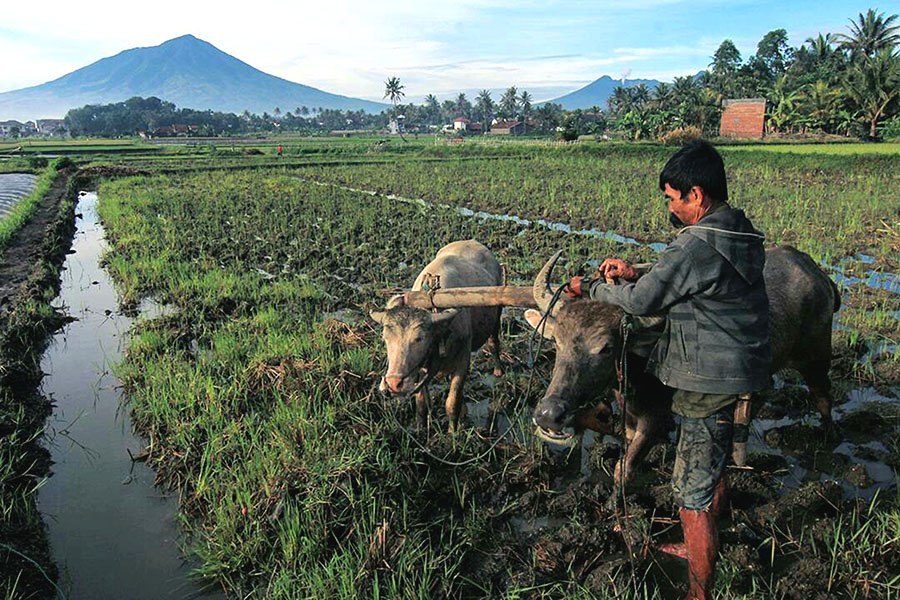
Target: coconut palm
x: 394, y: 91
x: 873, y: 85
x: 484, y: 109
x: 432, y: 109
x: 870, y: 34
x: 509, y: 103
x: 820, y: 46
x: 525, y: 109
x: 821, y: 104
x: 463, y: 106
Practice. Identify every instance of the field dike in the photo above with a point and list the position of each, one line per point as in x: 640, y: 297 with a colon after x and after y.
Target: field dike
x: 29, y: 280
x: 256, y: 391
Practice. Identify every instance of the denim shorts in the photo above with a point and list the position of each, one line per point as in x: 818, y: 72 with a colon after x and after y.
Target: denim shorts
x: 704, y: 446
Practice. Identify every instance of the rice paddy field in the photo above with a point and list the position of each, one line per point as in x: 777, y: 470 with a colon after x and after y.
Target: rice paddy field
x: 256, y: 388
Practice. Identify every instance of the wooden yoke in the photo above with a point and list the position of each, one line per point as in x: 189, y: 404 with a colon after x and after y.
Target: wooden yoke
x: 501, y: 295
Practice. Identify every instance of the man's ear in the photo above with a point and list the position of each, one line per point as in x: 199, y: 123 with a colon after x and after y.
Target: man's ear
x: 700, y: 195
x: 548, y: 329
x: 377, y: 316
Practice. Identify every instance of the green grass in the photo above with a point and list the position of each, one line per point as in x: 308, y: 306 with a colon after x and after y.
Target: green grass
x: 25, y: 208
x: 843, y: 149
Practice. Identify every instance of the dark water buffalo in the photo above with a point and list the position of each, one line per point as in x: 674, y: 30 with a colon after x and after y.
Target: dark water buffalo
x: 424, y: 344
x: 802, y: 301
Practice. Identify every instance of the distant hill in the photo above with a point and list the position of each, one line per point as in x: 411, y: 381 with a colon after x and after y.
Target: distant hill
x: 185, y: 70
x: 596, y: 93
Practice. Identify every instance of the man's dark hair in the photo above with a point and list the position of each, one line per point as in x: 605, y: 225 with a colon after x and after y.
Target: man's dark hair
x: 697, y: 163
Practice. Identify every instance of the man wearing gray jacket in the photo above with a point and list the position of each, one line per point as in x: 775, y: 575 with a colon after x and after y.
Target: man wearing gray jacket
x: 715, y: 348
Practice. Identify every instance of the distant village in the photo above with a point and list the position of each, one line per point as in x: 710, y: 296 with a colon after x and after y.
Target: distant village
x: 41, y: 127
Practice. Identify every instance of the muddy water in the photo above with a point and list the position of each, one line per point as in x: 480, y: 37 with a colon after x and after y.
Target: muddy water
x: 112, y: 533
x: 14, y: 187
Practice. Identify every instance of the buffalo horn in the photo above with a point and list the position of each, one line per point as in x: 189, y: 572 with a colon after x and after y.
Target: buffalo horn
x: 541, y: 290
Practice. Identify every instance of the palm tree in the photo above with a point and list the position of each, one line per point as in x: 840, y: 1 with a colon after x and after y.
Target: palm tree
x: 619, y: 100
x: 432, y: 109
x: 509, y: 103
x: 662, y: 95
x: 394, y: 91
x: 525, y: 109
x: 462, y: 106
x: 484, y: 108
x: 821, y: 103
x: 873, y: 85
x: 820, y: 46
x: 870, y: 34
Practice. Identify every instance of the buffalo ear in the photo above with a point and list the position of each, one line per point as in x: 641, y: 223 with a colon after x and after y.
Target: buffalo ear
x: 378, y: 316
x: 444, y: 317
x: 548, y: 329
x: 396, y: 301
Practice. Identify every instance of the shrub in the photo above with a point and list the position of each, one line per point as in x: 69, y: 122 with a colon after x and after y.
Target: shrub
x: 681, y: 136
x: 891, y: 129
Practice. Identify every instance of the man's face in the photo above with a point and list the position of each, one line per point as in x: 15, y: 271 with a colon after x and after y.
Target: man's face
x: 688, y: 208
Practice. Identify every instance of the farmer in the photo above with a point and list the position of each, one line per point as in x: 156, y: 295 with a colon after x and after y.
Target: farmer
x: 715, y: 348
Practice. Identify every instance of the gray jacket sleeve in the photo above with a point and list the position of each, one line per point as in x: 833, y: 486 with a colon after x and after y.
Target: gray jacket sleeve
x: 666, y: 283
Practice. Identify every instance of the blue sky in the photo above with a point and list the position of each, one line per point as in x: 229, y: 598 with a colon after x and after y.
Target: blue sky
x: 351, y: 47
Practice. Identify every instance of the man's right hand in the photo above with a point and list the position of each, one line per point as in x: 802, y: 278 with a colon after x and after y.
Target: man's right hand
x: 612, y: 268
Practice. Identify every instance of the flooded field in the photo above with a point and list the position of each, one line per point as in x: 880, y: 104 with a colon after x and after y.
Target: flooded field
x: 14, y: 187
x: 254, y: 390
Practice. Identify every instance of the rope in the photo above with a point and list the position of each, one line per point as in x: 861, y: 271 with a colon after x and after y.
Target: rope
x: 38, y: 567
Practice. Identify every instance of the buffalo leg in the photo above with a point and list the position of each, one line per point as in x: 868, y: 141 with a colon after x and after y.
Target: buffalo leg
x: 455, y: 401
x: 495, y: 349
x: 816, y: 377
x: 639, y: 444
x: 422, y: 410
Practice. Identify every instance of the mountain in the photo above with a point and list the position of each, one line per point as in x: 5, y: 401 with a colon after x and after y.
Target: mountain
x: 185, y: 70
x: 596, y: 93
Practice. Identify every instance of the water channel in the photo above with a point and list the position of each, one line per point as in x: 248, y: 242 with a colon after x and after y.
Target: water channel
x: 112, y: 533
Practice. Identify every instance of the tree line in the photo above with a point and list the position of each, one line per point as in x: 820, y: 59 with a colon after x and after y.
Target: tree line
x: 836, y: 83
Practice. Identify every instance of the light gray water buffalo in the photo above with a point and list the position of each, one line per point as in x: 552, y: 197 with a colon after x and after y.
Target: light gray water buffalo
x: 802, y: 301
x: 422, y: 344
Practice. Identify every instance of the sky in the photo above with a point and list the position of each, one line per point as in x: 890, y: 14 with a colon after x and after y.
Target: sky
x: 351, y: 47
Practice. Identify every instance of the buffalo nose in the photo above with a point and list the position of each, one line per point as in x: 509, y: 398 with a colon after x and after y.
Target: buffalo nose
x: 393, y: 383
x: 550, y: 415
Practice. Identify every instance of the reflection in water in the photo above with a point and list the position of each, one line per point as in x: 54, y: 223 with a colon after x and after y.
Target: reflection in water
x: 112, y: 533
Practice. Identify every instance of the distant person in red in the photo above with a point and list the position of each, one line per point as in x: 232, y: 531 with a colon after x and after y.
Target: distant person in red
x: 280, y: 150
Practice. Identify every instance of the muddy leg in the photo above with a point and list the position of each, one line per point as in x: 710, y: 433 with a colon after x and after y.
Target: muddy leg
x: 816, y: 377
x: 640, y: 441
x: 455, y: 401
x: 495, y: 349
x: 422, y: 410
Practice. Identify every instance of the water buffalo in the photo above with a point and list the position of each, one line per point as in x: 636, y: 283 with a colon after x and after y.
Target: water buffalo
x: 802, y: 301
x: 422, y: 344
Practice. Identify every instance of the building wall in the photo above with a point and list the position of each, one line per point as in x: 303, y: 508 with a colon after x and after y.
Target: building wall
x: 743, y: 118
